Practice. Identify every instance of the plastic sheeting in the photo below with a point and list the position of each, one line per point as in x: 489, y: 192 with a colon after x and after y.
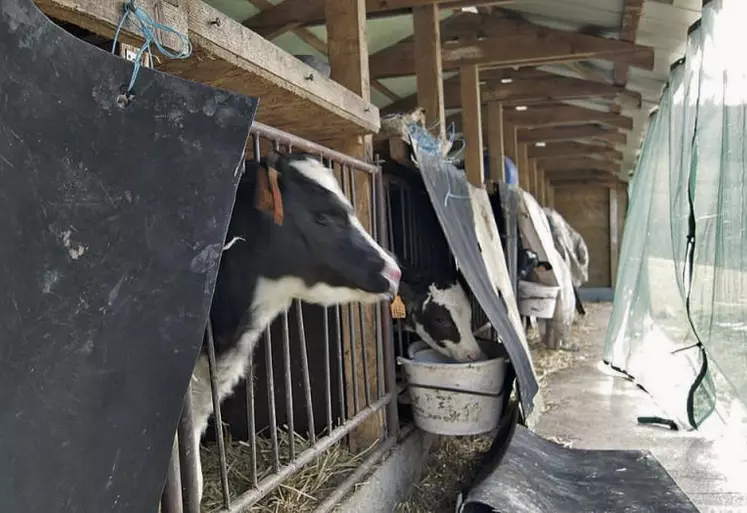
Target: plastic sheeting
x: 680, y: 314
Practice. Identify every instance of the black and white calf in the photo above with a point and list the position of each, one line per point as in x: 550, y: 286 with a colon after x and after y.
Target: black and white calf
x: 439, y: 312
x: 293, y: 234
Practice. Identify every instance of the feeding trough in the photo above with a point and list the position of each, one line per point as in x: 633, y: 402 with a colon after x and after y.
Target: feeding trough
x: 537, y: 300
x: 450, y: 398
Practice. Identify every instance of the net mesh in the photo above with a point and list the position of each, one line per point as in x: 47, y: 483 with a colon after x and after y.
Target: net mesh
x: 679, y: 324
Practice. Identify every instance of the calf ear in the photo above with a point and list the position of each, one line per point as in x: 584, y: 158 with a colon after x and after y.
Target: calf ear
x: 269, y: 197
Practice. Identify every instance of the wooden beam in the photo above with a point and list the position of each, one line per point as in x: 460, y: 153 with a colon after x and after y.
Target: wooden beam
x: 347, y: 44
x: 504, y: 42
x: 570, y: 176
x: 510, y: 143
x: 523, y: 165
x: 555, y: 150
x: 563, y: 114
x: 472, y: 123
x: 581, y: 163
x: 429, y: 77
x: 525, y: 89
x: 628, y: 31
x: 495, y: 141
x: 550, y: 194
x: 570, y: 133
x: 289, y: 14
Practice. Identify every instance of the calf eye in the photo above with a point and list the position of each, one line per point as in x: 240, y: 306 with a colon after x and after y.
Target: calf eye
x: 441, y: 320
x: 322, y: 219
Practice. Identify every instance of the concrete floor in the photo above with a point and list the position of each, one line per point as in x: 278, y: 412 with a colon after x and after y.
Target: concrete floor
x: 590, y: 406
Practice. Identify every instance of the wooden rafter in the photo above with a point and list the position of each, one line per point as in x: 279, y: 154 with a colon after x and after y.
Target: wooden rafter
x: 503, y: 42
x: 628, y: 31
x: 581, y: 164
x: 527, y: 86
x: 560, y: 114
x: 573, y: 133
x: 290, y: 14
x: 560, y: 150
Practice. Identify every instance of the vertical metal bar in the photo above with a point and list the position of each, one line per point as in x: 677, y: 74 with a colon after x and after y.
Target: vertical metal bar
x: 255, y: 147
x: 288, y: 389
x: 188, y: 459
x: 271, y: 400
x: 359, y: 307
x: 250, y: 418
x: 390, y: 377
x: 403, y: 220
x: 171, y: 497
x: 378, y: 233
x: 305, y: 371
x: 340, y: 367
x: 327, y: 368
x: 353, y: 357
x: 388, y: 213
x: 217, y: 416
x: 411, y: 229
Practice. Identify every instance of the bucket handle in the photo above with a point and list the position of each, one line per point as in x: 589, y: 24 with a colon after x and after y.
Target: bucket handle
x: 456, y: 390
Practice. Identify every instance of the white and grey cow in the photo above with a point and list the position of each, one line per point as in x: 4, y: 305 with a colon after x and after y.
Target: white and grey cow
x: 439, y: 312
x: 312, y: 247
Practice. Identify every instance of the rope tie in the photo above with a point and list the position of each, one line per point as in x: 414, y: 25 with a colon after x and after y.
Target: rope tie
x: 148, y: 28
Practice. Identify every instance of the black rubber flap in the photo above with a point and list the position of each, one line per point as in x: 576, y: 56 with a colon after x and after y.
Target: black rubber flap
x: 112, y: 222
x: 449, y: 193
x: 539, y: 476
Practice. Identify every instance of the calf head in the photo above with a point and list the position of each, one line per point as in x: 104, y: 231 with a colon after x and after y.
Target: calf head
x: 528, y: 260
x: 313, y: 242
x: 439, y: 312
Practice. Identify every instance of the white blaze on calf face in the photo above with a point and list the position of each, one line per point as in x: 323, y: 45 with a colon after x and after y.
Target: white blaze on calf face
x: 444, y: 321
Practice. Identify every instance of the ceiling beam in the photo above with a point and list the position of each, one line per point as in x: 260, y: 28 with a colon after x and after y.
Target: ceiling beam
x: 562, y: 114
x: 559, y: 150
x: 523, y: 89
x: 581, y: 164
x: 573, y: 133
x: 628, y: 30
x: 503, y: 42
x: 290, y: 14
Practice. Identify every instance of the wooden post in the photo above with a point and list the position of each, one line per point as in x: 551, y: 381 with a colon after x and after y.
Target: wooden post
x: 428, y: 71
x: 542, y: 185
x: 348, y: 58
x: 550, y: 195
x: 472, y: 123
x: 510, y: 146
x: 614, y: 237
x: 523, y: 165
x: 495, y: 141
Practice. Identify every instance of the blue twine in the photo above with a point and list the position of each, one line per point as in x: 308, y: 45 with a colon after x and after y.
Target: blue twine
x: 148, y: 27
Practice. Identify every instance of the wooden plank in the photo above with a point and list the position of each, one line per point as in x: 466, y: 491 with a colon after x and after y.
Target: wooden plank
x: 562, y: 114
x: 495, y: 141
x: 294, y: 96
x: 628, y: 30
x: 472, y: 123
x: 505, y: 42
x: 614, y: 235
x: 581, y: 163
x: 556, y: 150
x: 429, y: 75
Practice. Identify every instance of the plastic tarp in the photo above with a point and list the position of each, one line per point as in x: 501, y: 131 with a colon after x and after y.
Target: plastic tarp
x: 679, y: 325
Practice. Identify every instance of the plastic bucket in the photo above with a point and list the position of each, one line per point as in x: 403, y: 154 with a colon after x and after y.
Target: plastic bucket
x: 449, y: 398
x: 537, y: 300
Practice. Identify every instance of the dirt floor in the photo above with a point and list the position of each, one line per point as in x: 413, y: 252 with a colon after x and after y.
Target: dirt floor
x: 453, y: 461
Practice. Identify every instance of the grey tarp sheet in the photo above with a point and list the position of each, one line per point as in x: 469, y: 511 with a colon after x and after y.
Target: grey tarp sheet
x: 448, y: 190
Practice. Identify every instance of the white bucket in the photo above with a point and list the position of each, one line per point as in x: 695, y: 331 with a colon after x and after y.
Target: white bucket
x: 537, y: 300
x: 452, y: 407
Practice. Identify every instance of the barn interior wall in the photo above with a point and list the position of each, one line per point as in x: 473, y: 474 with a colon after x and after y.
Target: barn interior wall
x: 586, y: 209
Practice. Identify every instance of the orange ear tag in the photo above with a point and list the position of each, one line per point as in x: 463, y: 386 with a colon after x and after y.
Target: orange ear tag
x: 397, y: 308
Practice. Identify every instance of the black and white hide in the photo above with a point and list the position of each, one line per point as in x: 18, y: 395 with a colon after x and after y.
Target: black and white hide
x: 293, y: 234
x: 439, y: 312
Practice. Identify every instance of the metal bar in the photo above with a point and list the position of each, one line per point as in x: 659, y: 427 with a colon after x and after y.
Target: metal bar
x: 171, y: 497
x: 327, y: 367
x: 360, y: 472
x: 217, y: 416
x: 305, y: 371
x: 340, y: 367
x: 271, y: 400
x: 353, y: 357
x: 378, y: 232
x: 390, y: 361
x: 188, y: 459
x: 268, y: 484
x: 250, y: 418
x: 288, y: 389
x: 310, y: 147
x: 403, y: 221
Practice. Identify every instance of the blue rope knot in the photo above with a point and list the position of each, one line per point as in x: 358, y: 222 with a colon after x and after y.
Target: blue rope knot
x: 149, y: 27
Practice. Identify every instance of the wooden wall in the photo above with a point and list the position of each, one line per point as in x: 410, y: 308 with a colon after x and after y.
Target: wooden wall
x: 587, y: 209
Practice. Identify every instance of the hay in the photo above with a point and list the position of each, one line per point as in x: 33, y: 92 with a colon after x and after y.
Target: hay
x: 451, y: 465
x: 303, y: 491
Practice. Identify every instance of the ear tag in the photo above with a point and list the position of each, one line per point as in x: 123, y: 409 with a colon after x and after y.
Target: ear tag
x: 397, y: 308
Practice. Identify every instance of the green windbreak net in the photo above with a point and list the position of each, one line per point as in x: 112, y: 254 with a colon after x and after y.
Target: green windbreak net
x: 679, y: 324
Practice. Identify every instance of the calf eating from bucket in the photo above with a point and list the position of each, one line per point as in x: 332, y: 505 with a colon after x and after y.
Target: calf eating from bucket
x: 439, y: 312
x: 293, y: 235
